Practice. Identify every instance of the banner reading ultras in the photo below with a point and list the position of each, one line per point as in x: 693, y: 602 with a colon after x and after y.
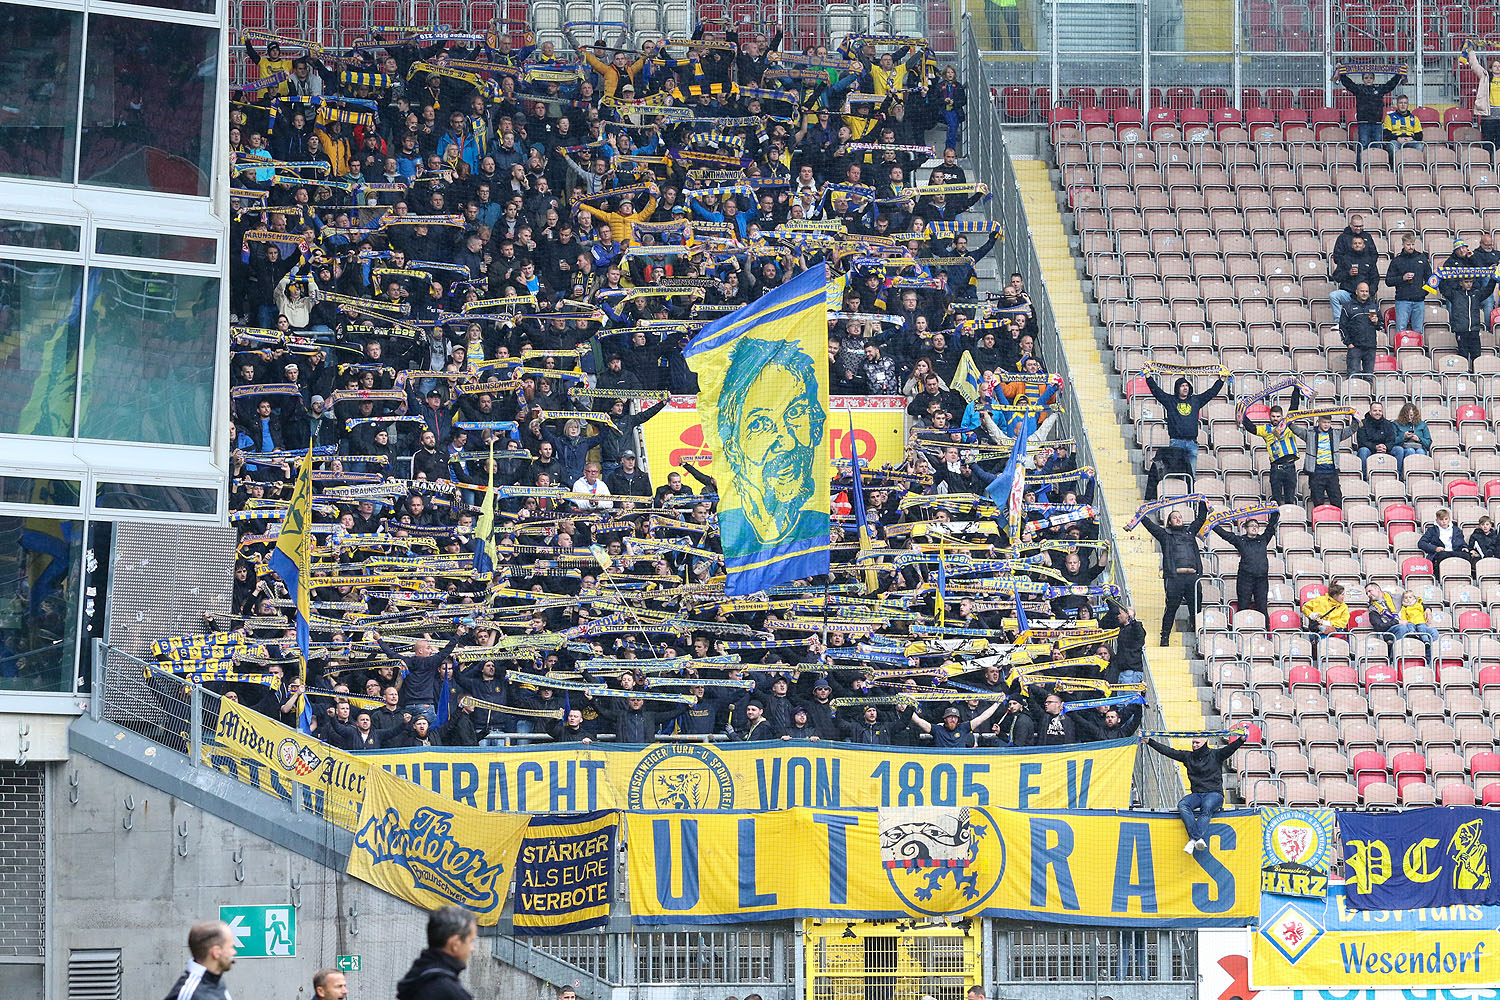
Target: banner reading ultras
x: 763, y: 396
x: 1067, y: 867
x: 765, y: 776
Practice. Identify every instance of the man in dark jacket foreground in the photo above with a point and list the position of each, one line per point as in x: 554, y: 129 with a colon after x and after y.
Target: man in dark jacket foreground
x: 1205, y: 769
x: 213, y: 948
x: 451, y: 933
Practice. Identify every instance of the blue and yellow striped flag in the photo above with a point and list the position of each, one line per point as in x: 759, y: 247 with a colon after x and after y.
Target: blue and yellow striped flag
x: 763, y: 402
x: 293, y: 547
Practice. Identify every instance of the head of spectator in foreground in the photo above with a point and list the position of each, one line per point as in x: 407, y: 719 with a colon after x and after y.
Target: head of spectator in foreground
x: 329, y: 984
x: 452, y: 930
x: 212, y: 946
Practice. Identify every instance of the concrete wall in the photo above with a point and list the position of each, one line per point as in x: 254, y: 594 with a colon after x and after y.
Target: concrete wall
x: 134, y: 890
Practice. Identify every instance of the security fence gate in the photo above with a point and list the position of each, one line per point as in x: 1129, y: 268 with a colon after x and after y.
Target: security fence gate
x: 890, y: 960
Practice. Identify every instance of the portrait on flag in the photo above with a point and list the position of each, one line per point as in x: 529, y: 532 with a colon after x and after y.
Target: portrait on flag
x: 763, y: 399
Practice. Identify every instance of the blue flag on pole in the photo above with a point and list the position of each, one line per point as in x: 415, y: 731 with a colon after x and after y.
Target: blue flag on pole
x: 289, y: 560
x: 1008, y: 488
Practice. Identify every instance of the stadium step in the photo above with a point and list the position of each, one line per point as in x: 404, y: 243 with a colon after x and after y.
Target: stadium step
x: 1170, y: 667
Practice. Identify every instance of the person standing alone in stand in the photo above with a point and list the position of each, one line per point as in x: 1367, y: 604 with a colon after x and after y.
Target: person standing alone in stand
x: 1181, y: 565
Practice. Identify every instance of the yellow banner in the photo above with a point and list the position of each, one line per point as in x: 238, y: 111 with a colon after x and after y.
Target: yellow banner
x: 1324, y: 943
x: 264, y: 753
x: 761, y: 777
x: 1071, y: 867
x: 763, y: 372
x: 675, y: 435
x: 432, y: 852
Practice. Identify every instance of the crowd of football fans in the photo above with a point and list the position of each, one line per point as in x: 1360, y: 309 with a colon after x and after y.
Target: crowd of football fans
x: 470, y: 266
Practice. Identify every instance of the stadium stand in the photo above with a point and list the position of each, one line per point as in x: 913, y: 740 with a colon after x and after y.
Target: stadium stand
x: 407, y: 304
x: 1207, y: 235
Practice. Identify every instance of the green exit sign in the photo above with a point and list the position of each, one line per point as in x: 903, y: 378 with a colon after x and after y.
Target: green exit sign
x: 262, y: 931
x: 347, y: 963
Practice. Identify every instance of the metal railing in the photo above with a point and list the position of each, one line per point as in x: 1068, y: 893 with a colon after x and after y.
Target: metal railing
x: 1221, y: 49
x: 1156, y: 785
x: 182, y: 717
x: 733, y: 962
x: 1093, y: 955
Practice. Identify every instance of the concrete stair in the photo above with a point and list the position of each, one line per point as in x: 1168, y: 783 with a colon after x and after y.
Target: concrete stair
x: 1170, y: 667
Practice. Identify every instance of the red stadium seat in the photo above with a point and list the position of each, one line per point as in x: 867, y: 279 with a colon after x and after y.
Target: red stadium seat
x: 1415, y: 566
x: 1285, y: 620
x: 1475, y: 621
x: 1327, y: 514
x: 1369, y: 767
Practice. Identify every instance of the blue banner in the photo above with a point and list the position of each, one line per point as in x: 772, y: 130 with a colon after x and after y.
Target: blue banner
x: 565, y: 873
x: 1420, y: 858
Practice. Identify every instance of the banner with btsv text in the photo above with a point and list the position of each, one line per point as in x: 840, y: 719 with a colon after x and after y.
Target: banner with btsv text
x: 1061, y: 866
x: 765, y: 776
x: 1435, y: 857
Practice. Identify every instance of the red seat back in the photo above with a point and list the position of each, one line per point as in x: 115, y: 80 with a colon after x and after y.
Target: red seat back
x: 1284, y: 619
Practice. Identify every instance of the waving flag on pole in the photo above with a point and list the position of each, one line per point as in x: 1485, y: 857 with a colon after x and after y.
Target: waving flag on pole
x: 290, y: 558
x: 483, y: 531
x: 763, y: 401
x: 1009, y: 487
x: 861, y: 516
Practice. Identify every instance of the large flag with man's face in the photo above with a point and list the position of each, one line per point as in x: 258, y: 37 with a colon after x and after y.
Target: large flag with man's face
x: 763, y: 400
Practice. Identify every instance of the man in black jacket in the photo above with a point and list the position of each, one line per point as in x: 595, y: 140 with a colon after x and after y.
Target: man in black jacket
x: 1466, y: 313
x: 451, y: 934
x: 1252, y: 582
x: 1205, y: 769
x: 874, y: 728
x: 1350, y: 267
x: 1054, y: 727
x: 1128, y: 663
x: 1375, y: 435
x: 1183, y: 407
x: 1359, y: 329
x: 213, y: 949
x: 1181, y: 565
x: 1408, y: 272
x: 1369, y: 108
x: 629, y: 480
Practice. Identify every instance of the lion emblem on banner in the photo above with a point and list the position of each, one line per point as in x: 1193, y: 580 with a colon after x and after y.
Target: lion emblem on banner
x: 681, y: 776
x: 941, y: 861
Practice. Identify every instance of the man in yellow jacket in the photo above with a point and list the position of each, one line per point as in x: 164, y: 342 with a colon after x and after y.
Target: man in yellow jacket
x: 619, y: 222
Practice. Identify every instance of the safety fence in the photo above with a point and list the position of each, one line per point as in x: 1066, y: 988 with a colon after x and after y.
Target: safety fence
x: 1156, y: 785
x: 1218, y: 53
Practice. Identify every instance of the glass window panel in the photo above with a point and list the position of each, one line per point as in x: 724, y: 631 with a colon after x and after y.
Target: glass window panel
x: 148, y: 357
x: 148, y: 108
x: 57, y: 492
x: 149, y: 496
x: 39, y: 310
x: 39, y: 235
x: 39, y: 75
x: 193, y: 6
x: 162, y: 246
x: 39, y: 574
